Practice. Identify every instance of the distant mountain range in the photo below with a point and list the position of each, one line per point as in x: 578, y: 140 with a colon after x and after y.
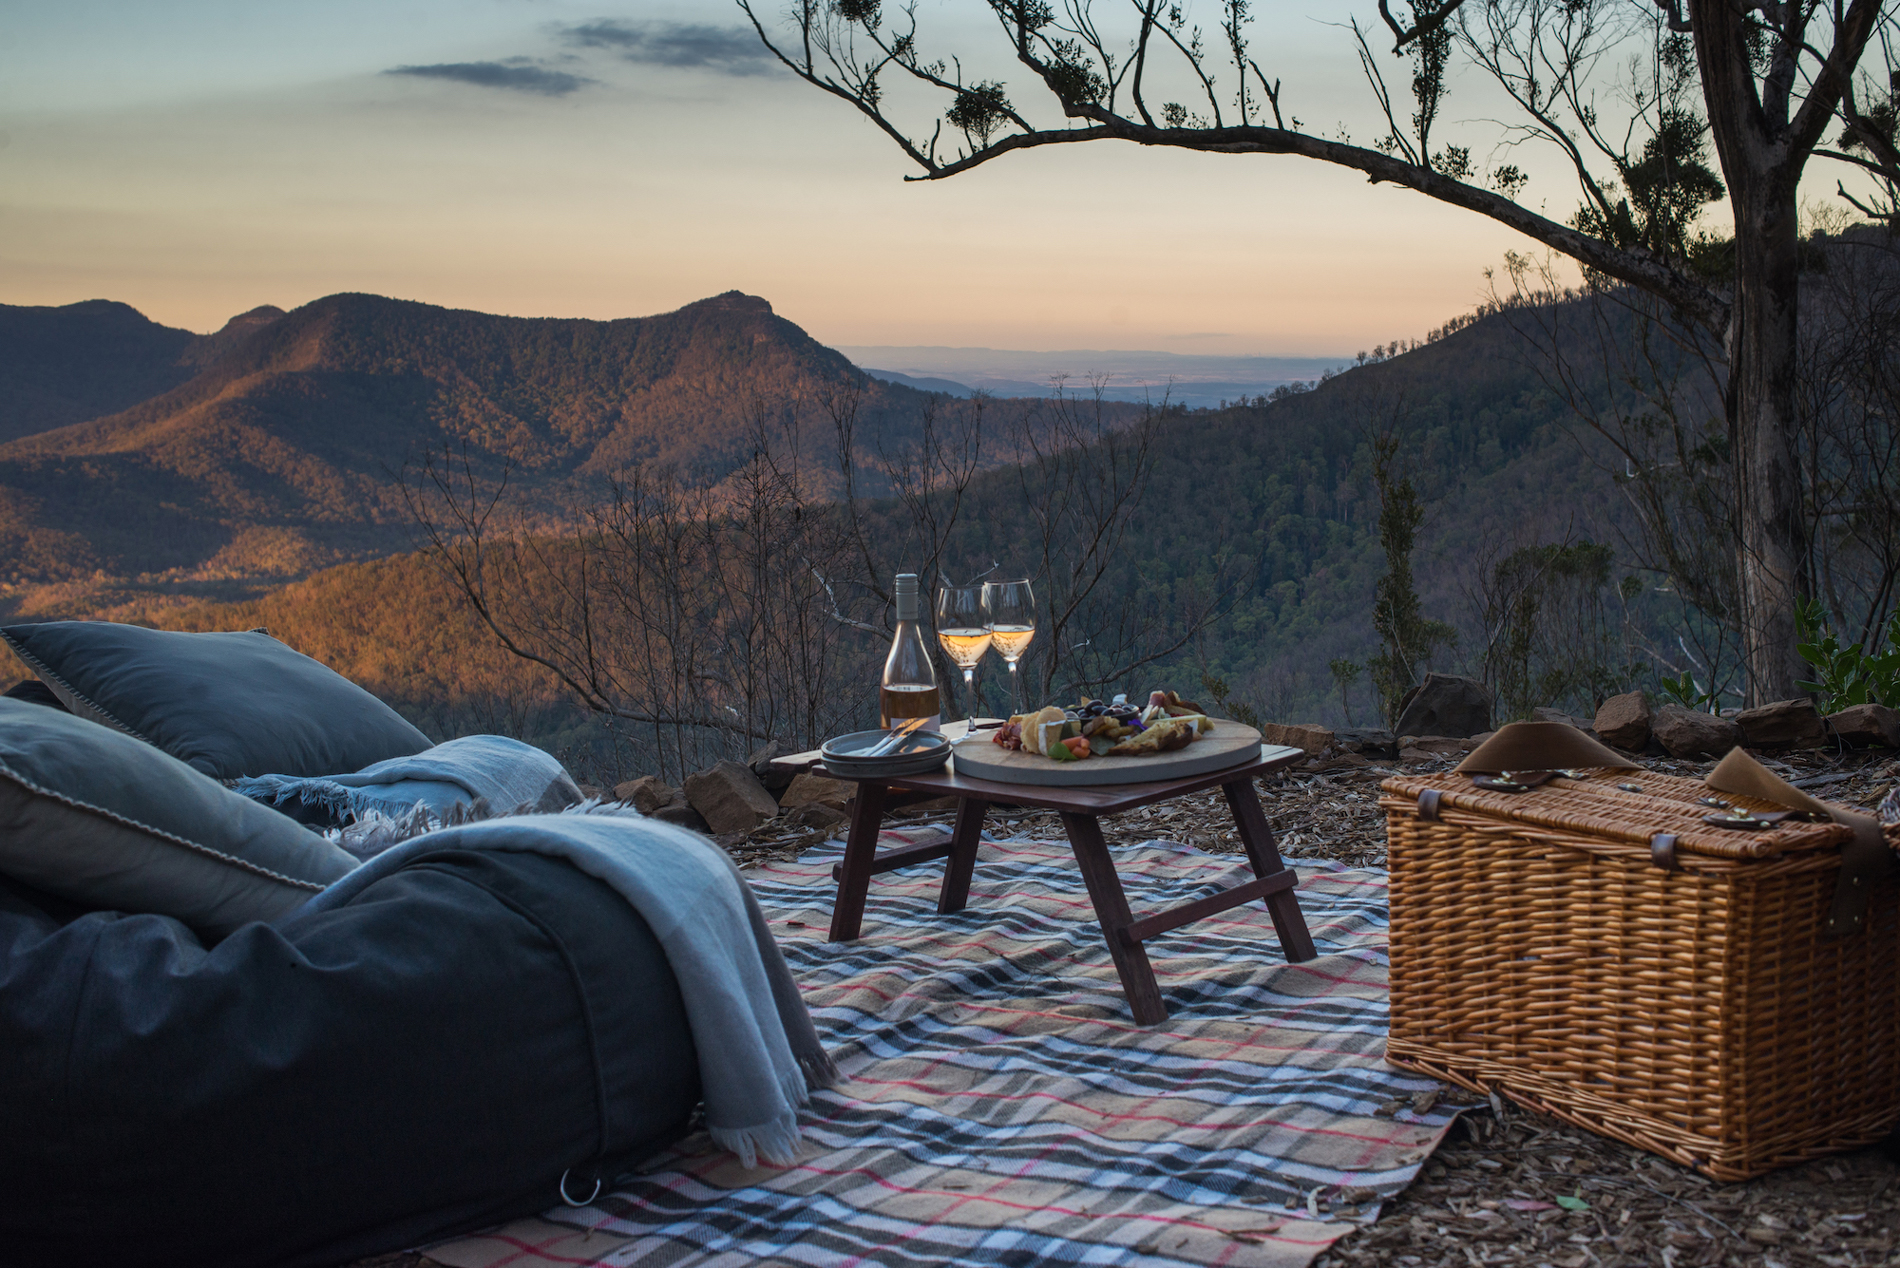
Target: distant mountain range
x: 1199, y: 382
x: 277, y: 445
x: 68, y: 364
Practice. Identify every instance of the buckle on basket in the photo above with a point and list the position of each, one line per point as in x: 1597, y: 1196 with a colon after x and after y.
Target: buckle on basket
x: 1511, y: 781
x: 1428, y: 804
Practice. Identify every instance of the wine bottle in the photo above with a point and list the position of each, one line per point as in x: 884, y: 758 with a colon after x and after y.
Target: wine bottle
x: 909, y: 687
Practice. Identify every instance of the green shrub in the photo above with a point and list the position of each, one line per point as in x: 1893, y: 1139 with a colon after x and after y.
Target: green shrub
x: 1848, y: 675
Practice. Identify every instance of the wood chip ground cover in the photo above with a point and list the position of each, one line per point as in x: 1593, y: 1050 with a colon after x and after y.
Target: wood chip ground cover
x: 1510, y: 1186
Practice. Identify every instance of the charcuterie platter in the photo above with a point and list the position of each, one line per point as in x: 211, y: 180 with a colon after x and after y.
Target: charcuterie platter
x: 1224, y: 744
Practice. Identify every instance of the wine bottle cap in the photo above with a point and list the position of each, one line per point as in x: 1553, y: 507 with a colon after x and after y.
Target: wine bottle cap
x: 906, y: 596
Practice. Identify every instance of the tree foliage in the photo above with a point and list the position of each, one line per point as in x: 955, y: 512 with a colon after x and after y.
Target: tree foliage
x: 1762, y: 83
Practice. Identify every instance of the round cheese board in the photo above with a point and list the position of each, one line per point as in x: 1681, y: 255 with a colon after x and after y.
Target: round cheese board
x: 1228, y: 744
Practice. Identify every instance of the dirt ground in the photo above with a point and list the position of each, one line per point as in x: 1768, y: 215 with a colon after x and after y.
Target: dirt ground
x: 1510, y: 1186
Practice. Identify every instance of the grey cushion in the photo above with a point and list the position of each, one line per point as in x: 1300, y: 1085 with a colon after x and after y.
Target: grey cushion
x: 228, y: 704
x: 96, y: 817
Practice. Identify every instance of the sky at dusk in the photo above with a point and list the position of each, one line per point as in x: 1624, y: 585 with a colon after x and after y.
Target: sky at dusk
x: 196, y: 158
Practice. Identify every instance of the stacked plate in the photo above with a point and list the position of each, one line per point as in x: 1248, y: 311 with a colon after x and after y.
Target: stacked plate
x: 845, y: 758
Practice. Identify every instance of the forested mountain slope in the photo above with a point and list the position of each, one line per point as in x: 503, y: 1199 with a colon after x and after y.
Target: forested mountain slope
x: 1274, y: 501
x: 287, y: 451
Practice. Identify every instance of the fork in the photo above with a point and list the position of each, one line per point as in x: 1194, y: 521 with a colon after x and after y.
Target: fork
x: 899, y: 733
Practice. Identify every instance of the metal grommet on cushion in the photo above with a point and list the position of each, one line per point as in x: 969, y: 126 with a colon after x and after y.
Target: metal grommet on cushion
x: 580, y: 1201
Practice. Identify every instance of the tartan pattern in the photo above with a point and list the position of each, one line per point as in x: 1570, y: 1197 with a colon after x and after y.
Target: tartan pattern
x: 1001, y: 1107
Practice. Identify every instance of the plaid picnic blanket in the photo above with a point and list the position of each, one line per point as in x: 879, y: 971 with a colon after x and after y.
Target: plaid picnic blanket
x: 1002, y: 1109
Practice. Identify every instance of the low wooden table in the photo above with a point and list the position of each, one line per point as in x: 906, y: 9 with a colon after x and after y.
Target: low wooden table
x: 1080, y: 809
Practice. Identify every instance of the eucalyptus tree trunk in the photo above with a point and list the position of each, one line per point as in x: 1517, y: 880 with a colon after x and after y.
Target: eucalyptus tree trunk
x: 1761, y: 402
x: 1764, y: 141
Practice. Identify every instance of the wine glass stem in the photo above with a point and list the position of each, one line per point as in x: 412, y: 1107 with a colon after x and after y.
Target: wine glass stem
x: 1015, y: 688
x: 969, y: 693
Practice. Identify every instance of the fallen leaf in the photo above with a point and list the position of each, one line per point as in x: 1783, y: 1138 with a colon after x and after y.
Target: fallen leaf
x: 1527, y: 1204
x: 1259, y: 1234
x: 1569, y: 1203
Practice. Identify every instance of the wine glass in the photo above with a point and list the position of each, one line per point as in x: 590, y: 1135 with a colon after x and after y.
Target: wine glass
x: 963, y: 627
x: 1012, y: 625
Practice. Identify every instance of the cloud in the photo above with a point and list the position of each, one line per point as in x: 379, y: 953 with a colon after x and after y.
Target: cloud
x: 730, y: 50
x: 517, y: 74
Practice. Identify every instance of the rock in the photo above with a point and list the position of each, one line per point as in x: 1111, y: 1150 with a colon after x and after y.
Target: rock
x: 819, y: 815
x: 1339, y: 761
x: 776, y: 780
x: 1542, y: 714
x: 1427, y: 748
x: 1687, y: 733
x: 1864, y: 725
x: 1368, y: 743
x: 591, y: 793
x: 730, y: 797
x: 817, y: 790
x: 931, y: 806
x: 1445, y: 704
x: 1312, y: 738
x: 1783, y: 724
x: 682, y: 815
x: 649, y: 793
x: 1624, y: 721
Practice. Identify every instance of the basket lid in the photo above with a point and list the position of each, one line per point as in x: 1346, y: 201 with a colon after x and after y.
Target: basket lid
x: 1624, y: 805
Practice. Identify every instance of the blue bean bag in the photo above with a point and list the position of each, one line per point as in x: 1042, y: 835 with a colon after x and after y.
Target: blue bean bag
x: 439, y: 1053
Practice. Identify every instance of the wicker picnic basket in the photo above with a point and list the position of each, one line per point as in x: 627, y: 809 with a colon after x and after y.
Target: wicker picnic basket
x: 1608, y: 957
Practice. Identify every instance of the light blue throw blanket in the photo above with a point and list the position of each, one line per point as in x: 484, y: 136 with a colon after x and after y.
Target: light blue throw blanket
x: 483, y: 774
x: 759, y: 1056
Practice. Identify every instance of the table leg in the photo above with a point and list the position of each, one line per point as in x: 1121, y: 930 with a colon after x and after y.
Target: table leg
x: 961, y: 864
x: 1255, y: 834
x: 860, y: 852
x: 1111, y: 908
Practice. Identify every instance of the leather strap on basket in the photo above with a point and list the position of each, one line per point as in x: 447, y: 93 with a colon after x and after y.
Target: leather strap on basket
x: 1540, y: 746
x: 1662, y: 851
x: 1864, y: 860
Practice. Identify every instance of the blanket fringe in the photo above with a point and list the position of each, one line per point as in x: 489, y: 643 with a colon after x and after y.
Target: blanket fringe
x: 775, y: 1142
x: 820, y: 1072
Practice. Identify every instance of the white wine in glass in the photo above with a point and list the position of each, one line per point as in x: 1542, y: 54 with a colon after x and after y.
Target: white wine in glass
x: 1012, y: 626
x: 963, y: 618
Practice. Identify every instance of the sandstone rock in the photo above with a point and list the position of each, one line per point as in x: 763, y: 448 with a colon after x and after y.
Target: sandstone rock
x: 1624, y: 721
x: 1368, y: 743
x: 1687, y: 733
x: 817, y: 790
x: 730, y: 797
x: 1339, y: 761
x: 590, y: 792
x: 1783, y: 724
x: 1426, y: 748
x: 1867, y: 724
x: 775, y: 779
x: 1445, y: 704
x: 931, y: 806
x: 818, y: 815
x: 1542, y: 714
x: 648, y: 794
x: 681, y: 815
x: 1312, y: 738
